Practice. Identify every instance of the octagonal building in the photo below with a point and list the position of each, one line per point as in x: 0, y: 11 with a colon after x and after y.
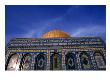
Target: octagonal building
x: 56, y: 50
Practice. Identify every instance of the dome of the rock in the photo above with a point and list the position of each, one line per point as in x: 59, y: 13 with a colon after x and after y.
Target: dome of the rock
x: 55, y: 34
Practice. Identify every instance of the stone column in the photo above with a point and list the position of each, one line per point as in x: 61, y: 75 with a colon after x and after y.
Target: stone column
x: 63, y: 59
x: 78, y: 61
x: 48, y: 59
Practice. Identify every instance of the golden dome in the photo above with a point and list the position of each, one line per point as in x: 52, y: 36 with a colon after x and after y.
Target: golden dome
x: 55, y: 34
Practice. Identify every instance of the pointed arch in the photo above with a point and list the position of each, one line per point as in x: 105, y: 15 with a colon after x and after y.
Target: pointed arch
x: 85, y: 60
x: 55, y: 61
x: 25, y: 62
x: 13, y: 62
x: 70, y: 61
x: 40, y: 62
x: 100, y: 60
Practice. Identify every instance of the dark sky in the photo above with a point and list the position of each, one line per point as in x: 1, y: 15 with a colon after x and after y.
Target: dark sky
x: 32, y: 21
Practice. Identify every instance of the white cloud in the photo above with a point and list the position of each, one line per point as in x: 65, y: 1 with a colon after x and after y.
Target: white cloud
x: 89, y: 31
x: 29, y: 34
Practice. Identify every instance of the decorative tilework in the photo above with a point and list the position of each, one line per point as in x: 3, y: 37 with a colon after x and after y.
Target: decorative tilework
x: 74, y: 53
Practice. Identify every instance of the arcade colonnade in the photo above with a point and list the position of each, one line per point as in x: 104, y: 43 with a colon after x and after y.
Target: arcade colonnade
x: 65, y: 59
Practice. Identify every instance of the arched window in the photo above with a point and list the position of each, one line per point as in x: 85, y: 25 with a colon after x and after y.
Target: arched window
x: 70, y: 61
x: 99, y: 60
x: 40, y: 62
x: 13, y: 62
x: 25, y: 62
x: 85, y: 61
x: 55, y: 61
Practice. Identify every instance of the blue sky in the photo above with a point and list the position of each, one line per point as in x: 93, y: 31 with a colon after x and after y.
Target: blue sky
x: 32, y: 21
